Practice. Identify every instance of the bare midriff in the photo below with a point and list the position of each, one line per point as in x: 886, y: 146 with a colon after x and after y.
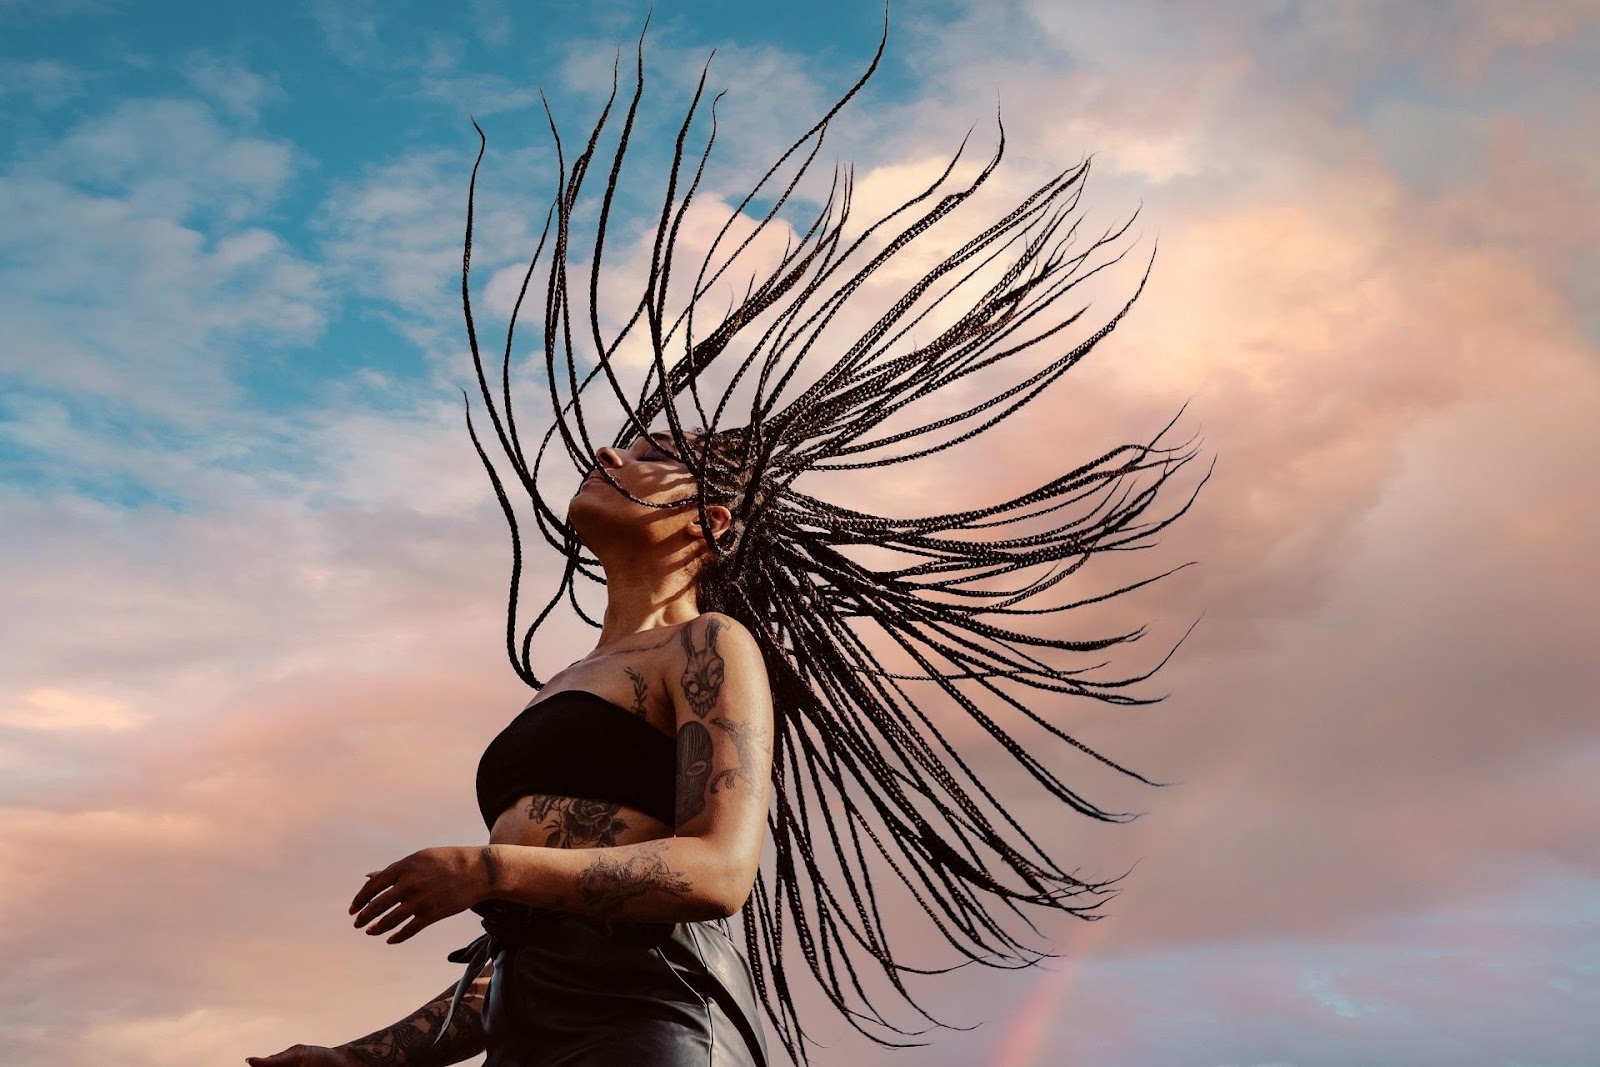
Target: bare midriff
x: 572, y: 822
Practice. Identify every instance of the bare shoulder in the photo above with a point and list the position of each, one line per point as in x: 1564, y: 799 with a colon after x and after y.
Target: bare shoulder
x: 726, y: 636
x: 715, y: 621
x: 722, y: 666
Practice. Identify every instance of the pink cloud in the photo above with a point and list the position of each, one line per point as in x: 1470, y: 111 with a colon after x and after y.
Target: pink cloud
x: 1385, y: 714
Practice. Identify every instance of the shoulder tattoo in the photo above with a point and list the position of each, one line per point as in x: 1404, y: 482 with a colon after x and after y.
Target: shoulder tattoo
x: 703, y: 670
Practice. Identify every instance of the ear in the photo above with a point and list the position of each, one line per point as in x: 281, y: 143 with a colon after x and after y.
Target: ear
x: 718, y: 516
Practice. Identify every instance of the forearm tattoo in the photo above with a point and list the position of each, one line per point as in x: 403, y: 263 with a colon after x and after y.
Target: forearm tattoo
x: 409, y: 1043
x: 608, y: 883
x: 491, y: 869
x: 640, y: 689
x: 694, y: 770
x: 702, y: 674
x: 572, y: 823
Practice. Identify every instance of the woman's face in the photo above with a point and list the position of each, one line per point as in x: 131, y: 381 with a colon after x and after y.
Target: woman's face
x: 648, y: 470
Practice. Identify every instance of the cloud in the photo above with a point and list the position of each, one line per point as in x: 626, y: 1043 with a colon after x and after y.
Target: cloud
x: 58, y: 710
x: 131, y: 261
x: 43, y: 83
x: 238, y: 90
x: 203, y: 1035
x: 1435, y: 988
x: 1373, y: 362
x: 479, y: 94
x: 491, y: 21
x: 170, y: 157
x: 1427, y: 146
x: 393, y: 237
x: 234, y: 697
x: 350, y: 30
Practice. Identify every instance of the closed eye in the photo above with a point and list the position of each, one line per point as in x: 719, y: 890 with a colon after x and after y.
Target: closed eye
x: 653, y: 451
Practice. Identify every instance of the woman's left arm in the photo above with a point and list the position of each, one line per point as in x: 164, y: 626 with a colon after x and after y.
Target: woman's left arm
x: 724, y: 713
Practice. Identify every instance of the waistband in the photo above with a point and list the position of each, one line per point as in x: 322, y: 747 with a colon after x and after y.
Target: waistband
x: 569, y: 971
x: 506, y: 926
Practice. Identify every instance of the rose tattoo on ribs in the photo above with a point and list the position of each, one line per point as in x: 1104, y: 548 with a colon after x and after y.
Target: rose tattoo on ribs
x: 574, y: 823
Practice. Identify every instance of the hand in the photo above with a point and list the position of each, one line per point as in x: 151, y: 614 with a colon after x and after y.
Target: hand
x: 305, y: 1056
x: 421, y: 889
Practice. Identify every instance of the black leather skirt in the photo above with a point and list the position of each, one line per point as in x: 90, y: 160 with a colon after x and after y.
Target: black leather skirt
x: 574, y: 991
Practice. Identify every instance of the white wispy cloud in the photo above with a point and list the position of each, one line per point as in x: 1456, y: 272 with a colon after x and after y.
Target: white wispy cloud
x: 41, y: 83
x: 134, y: 264
x: 350, y: 30
x: 479, y: 94
x: 491, y: 21
x: 237, y: 89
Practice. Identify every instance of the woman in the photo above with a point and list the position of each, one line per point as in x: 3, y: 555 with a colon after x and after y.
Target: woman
x: 787, y: 643
x: 632, y: 851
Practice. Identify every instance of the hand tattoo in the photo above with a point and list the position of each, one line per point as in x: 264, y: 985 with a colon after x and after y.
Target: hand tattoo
x: 573, y: 823
x: 608, y: 883
x: 694, y: 768
x: 703, y: 671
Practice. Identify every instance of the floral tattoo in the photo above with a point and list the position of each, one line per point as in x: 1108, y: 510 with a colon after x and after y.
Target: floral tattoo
x: 639, y: 690
x: 412, y: 1040
x: 609, y: 883
x: 570, y: 822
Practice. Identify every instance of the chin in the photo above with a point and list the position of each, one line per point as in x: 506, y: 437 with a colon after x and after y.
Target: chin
x: 586, y: 513
x: 577, y: 507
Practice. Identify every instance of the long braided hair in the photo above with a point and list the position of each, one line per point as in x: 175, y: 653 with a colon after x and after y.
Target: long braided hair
x: 867, y: 784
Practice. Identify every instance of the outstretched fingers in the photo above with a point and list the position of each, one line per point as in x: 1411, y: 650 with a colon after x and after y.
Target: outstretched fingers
x: 376, y: 905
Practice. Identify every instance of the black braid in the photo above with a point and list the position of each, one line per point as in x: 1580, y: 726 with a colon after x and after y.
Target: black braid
x: 853, y: 744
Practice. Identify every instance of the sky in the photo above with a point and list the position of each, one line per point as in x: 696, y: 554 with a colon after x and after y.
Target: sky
x: 252, y: 630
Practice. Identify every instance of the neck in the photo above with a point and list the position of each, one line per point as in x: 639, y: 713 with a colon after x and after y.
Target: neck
x: 640, y: 598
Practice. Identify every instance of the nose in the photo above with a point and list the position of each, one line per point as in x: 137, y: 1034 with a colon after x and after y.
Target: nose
x: 607, y: 456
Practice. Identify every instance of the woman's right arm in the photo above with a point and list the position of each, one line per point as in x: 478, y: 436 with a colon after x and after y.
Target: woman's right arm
x: 408, y: 1043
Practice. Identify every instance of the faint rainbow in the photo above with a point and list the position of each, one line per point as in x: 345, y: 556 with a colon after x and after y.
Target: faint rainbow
x: 1025, y: 1042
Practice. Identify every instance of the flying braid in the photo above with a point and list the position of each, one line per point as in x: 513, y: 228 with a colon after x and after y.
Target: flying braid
x: 871, y: 774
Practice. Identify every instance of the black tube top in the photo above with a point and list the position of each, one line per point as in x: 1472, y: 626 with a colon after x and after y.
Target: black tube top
x: 576, y: 744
